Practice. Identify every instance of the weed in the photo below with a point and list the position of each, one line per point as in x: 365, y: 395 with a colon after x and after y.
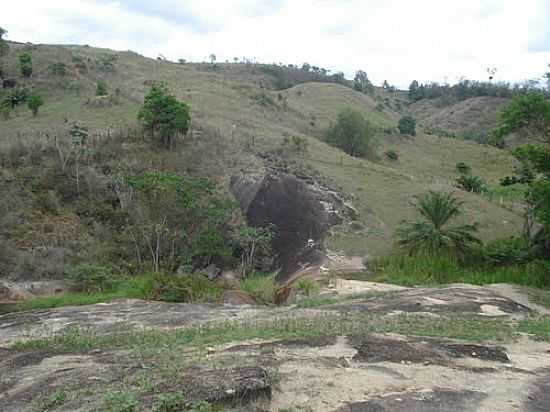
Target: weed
x: 121, y: 401
x: 307, y: 286
x: 168, y: 402
x: 261, y: 287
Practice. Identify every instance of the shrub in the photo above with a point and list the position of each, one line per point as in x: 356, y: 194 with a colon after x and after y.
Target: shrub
x: 474, y: 184
x: 432, y: 233
x: 353, y: 134
x: 262, y: 288
x: 34, y: 103
x: 120, y: 402
x: 90, y: 278
x: 169, y: 402
x: 58, y: 69
x: 392, y: 155
x: 507, y: 251
x: 307, y: 286
x: 463, y: 168
x: 407, y: 125
x: 25, y: 64
x: 184, y: 288
x: 101, y: 88
x: 163, y: 115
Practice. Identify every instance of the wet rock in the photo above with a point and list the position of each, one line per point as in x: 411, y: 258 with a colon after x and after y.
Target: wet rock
x: 437, y: 400
x: 235, y: 385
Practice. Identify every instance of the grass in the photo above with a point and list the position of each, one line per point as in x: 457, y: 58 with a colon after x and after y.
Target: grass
x: 433, y: 270
x: 262, y: 288
x: 470, y: 328
x: 149, y: 286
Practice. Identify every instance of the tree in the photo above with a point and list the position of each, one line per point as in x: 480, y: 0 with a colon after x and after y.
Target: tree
x: 163, y: 115
x: 34, y: 103
x: 353, y: 134
x: 306, y: 67
x: 407, y: 125
x: 4, y: 48
x: 25, y: 64
x: 431, y: 233
x: 212, y: 58
x: 414, y: 91
x: 101, y: 88
x: 361, y: 82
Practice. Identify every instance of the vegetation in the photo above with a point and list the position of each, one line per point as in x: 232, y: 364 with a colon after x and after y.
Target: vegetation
x: 262, y: 288
x: 353, y: 134
x: 361, y: 83
x: 432, y: 233
x: 407, y: 125
x: 34, y: 103
x: 164, y: 116
x: 25, y: 64
x: 101, y: 88
x: 470, y: 183
x: 4, y: 47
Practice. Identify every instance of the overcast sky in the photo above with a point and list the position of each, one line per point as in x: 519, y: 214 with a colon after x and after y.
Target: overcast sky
x: 397, y: 40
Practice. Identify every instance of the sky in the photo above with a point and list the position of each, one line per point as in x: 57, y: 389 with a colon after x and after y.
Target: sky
x: 394, y: 40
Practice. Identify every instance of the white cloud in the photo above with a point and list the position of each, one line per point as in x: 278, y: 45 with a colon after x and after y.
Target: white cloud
x: 397, y: 40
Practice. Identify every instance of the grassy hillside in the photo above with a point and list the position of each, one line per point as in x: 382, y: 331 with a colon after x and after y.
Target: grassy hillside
x: 240, y: 120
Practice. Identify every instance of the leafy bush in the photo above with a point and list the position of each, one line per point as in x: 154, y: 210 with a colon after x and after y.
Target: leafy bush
x: 169, y: 402
x: 353, y: 134
x: 34, y: 103
x: 392, y: 155
x: 25, y: 64
x: 262, y: 288
x: 470, y: 183
x: 463, y: 168
x: 163, y: 115
x: 507, y: 251
x: 183, y: 288
x: 431, y: 233
x: 120, y: 402
x: 90, y: 277
x: 307, y: 286
x: 58, y: 69
x: 101, y: 88
x: 407, y: 125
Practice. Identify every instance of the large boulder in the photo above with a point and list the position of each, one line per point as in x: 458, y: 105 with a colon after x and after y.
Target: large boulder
x: 295, y: 210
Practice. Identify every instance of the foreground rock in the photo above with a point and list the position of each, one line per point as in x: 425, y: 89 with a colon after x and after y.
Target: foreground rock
x: 357, y: 372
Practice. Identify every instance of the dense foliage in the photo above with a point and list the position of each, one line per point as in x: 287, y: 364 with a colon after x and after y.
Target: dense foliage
x: 431, y: 233
x: 352, y: 133
x: 164, y: 116
x: 407, y: 125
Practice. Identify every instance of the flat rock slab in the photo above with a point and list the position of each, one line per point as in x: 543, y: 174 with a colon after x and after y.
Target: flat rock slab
x: 538, y: 399
x: 454, y: 299
x: 372, y: 349
x: 437, y: 400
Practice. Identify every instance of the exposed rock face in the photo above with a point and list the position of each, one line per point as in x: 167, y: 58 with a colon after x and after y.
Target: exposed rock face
x: 293, y: 208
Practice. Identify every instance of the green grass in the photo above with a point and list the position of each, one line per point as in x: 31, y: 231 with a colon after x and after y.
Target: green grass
x: 471, y: 328
x: 262, y: 288
x: 127, y: 288
x: 433, y: 270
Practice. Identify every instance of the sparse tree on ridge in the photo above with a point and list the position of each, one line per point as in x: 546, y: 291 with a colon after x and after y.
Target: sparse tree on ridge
x: 361, y: 82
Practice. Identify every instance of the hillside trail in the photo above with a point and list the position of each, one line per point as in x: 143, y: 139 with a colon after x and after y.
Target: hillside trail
x: 349, y: 372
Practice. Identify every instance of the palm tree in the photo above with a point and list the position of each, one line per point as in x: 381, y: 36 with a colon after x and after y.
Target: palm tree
x: 431, y: 233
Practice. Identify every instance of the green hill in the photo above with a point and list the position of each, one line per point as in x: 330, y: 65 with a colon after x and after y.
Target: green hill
x: 237, y: 117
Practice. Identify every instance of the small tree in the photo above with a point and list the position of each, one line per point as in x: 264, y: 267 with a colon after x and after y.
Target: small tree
x: 4, y: 48
x: 25, y: 64
x: 407, y: 125
x: 163, y: 115
x: 34, y: 103
x: 353, y: 134
x: 361, y: 82
x: 432, y: 233
x: 101, y: 89
x: 212, y: 58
